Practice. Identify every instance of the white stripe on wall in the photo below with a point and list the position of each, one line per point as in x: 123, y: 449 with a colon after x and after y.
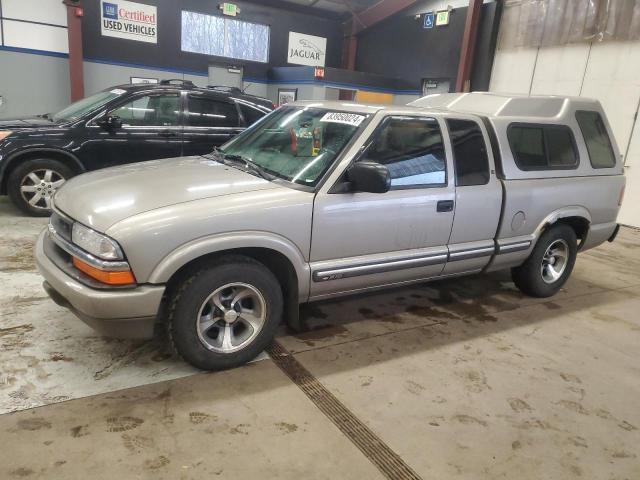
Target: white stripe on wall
x: 35, y: 36
x: 44, y: 11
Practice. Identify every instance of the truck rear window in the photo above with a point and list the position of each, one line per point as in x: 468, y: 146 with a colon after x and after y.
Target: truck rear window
x: 597, y: 139
x: 542, y: 147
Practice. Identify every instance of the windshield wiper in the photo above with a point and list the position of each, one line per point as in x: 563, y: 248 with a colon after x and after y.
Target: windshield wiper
x: 46, y: 116
x: 248, y: 164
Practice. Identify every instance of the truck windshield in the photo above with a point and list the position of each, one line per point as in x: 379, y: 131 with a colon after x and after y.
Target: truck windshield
x: 79, y: 108
x: 297, y: 144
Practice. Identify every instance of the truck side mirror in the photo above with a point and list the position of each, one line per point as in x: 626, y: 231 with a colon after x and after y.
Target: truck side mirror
x: 110, y: 122
x: 369, y: 177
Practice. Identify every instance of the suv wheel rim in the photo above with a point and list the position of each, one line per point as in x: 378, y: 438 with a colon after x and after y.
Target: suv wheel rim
x: 554, y: 261
x: 37, y: 187
x: 231, y: 317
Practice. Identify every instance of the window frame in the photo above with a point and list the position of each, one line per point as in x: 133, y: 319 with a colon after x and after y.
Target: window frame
x: 544, y: 127
x: 383, y: 122
x: 187, y: 110
x: 584, y: 139
x: 147, y: 93
x: 453, y: 151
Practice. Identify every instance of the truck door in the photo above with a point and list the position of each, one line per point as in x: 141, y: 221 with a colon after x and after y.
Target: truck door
x: 478, y: 197
x: 362, y: 240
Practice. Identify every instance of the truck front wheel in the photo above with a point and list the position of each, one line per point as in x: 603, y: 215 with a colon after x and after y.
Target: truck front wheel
x: 224, y: 315
x: 550, y: 263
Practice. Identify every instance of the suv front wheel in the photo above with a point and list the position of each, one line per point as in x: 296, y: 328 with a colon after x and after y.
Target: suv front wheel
x: 32, y: 184
x: 223, y: 316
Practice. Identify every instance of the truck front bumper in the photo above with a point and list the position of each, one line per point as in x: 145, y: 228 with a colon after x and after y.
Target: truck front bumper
x: 121, y: 313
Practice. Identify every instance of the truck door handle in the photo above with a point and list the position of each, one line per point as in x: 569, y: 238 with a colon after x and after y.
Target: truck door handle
x: 445, y: 206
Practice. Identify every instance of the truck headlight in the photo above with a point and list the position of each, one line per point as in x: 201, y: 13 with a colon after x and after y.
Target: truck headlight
x: 95, y: 243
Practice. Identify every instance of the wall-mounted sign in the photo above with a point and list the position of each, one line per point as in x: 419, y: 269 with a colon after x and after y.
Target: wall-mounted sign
x: 230, y: 9
x: 234, y: 69
x: 129, y: 20
x: 306, y: 49
x: 429, y: 20
x: 286, y: 95
x: 139, y: 80
x: 318, y: 73
x: 442, y: 18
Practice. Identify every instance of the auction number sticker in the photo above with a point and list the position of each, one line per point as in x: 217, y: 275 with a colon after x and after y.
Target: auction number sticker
x: 346, y: 118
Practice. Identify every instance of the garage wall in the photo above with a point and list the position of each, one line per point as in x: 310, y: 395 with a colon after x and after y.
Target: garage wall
x: 608, y: 71
x: 33, y: 38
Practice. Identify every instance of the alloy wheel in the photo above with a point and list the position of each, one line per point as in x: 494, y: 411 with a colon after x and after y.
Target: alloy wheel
x: 231, y: 317
x: 554, y: 261
x: 38, y: 187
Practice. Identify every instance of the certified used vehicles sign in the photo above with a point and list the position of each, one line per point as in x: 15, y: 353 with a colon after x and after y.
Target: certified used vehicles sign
x: 129, y: 20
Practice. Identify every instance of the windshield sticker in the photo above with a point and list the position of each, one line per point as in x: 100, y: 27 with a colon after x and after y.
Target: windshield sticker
x: 346, y: 118
x: 118, y: 91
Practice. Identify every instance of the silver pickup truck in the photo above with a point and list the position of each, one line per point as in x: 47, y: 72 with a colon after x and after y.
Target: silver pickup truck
x: 322, y: 199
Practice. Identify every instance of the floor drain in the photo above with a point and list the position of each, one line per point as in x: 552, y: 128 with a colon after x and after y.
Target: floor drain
x: 378, y: 452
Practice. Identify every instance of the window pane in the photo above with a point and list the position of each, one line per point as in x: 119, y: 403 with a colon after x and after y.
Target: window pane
x: 204, y: 112
x: 597, y: 139
x: 527, y: 145
x: 150, y: 110
x: 412, y: 150
x: 247, y: 41
x: 469, y: 152
x: 224, y: 37
x: 250, y: 114
x: 560, y: 147
x: 202, y: 33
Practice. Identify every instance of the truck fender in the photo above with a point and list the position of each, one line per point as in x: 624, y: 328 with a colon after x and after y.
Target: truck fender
x: 564, y: 212
x: 200, y: 247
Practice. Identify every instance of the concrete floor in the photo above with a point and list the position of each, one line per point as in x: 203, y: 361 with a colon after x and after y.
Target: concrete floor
x: 461, y: 379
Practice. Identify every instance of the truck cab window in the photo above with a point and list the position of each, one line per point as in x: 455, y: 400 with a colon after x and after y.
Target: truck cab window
x: 412, y: 149
x: 469, y: 152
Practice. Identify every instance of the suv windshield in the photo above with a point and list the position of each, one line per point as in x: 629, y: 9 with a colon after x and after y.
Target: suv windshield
x: 79, y: 108
x: 297, y: 144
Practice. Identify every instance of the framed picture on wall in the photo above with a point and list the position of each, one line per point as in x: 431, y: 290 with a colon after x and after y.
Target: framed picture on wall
x: 286, y: 95
x: 135, y: 80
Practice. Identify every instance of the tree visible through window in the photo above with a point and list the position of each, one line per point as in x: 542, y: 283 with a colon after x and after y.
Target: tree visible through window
x: 224, y: 37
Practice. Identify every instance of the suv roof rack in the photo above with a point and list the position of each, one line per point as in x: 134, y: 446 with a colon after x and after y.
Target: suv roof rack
x: 177, y: 81
x: 224, y: 88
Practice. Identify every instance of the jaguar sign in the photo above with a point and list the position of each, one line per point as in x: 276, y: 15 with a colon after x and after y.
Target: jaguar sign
x: 306, y: 49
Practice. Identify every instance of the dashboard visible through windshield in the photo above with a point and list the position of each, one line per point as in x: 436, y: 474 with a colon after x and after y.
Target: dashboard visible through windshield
x: 297, y: 144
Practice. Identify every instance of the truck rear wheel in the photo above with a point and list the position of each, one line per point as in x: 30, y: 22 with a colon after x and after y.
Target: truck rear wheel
x: 225, y: 315
x: 550, y: 263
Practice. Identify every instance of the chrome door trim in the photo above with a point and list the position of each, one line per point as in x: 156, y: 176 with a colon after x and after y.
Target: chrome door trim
x: 472, y: 253
x: 378, y: 267
x: 513, y: 247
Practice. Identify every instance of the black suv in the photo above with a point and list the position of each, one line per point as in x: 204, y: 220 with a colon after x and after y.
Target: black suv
x: 123, y: 124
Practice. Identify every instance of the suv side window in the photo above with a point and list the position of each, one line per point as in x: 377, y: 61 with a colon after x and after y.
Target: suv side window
x: 412, y: 149
x: 207, y: 112
x: 542, y: 147
x: 469, y: 152
x: 251, y: 115
x: 597, y: 139
x: 161, y: 110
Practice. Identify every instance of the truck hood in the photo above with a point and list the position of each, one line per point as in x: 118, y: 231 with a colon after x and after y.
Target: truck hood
x: 102, y: 198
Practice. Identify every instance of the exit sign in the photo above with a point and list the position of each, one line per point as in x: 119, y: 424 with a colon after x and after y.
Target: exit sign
x: 230, y: 9
x: 442, y: 18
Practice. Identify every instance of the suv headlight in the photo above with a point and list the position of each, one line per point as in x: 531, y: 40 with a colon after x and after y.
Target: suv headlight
x: 4, y: 134
x: 95, y: 243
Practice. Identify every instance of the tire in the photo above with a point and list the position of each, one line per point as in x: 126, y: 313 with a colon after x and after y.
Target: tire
x: 542, y: 275
x: 22, y: 186
x: 198, y: 327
